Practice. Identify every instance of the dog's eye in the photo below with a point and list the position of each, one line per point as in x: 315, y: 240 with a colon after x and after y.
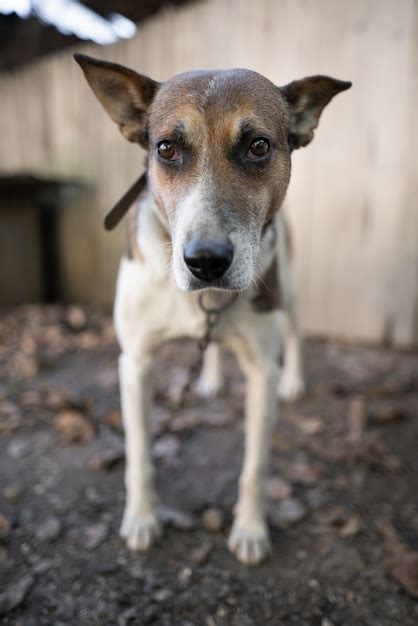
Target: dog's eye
x: 259, y: 148
x: 167, y: 151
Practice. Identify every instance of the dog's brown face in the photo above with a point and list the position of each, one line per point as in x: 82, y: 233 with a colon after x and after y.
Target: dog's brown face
x: 219, y: 157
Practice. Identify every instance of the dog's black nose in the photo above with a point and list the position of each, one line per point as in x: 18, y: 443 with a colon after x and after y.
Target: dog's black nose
x: 208, y: 259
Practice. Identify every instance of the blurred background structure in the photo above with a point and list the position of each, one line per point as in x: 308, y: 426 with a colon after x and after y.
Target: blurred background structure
x: 353, y: 196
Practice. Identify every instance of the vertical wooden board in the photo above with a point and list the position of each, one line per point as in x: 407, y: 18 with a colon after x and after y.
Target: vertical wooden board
x: 352, y: 199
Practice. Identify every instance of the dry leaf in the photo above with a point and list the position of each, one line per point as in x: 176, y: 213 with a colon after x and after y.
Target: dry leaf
x: 5, y: 527
x: 386, y: 413
x: 200, y: 555
x: 278, y: 488
x: 356, y: 420
x: 402, y: 561
x: 106, y: 460
x: 74, y: 427
x: 114, y: 420
x: 351, y: 527
x: 302, y: 472
x: 309, y: 425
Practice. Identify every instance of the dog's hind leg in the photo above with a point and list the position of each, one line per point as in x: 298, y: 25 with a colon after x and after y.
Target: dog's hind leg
x: 209, y: 382
x: 140, y: 525
x: 292, y: 382
x: 249, y: 539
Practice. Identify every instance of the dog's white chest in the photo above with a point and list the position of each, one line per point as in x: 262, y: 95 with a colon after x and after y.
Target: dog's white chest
x: 146, y: 306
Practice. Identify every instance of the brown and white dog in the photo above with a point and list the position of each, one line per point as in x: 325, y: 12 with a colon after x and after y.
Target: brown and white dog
x: 218, y: 166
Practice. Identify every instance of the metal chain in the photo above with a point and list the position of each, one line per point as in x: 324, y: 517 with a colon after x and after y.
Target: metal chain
x: 213, y: 316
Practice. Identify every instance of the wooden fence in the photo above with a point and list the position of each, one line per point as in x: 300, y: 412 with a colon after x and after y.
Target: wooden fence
x: 354, y: 192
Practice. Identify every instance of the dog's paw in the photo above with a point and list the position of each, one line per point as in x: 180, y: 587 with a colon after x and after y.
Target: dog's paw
x: 250, y: 543
x: 291, y: 386
x: 140, y: 531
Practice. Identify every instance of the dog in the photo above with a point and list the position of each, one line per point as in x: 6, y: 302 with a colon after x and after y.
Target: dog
x: 207, y: 229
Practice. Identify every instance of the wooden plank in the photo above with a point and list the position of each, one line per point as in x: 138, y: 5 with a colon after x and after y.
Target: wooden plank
x: 352, y: 199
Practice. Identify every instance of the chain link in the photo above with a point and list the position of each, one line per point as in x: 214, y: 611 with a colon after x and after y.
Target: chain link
x: 213, y: 315
x: 212, y: 318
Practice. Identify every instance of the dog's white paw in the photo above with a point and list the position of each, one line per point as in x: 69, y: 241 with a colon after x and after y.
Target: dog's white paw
x: 250, y: 543
x: 291, y: 386
x: 140, y: 531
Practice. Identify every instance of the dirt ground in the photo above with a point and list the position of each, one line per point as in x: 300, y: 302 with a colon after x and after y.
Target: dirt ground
x: 343, y: 491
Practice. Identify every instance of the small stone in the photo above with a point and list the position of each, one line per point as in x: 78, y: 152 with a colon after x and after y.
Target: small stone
x: 162, y: 595
x: 76, y: 318
x: 18, y: 448
x: 49, y: 529
x: 166, y: 447
x: 213, y: 520
x: 326, y: 622
x: 288, y: 512
x: 128, y: 616
x: 185, y: 575
x: 177, y: 519
x: 42, y: 566
x: 95, y: 535
x: 13, y: 595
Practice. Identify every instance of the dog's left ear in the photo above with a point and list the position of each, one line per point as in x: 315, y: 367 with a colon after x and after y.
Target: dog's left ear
x: 123, y: 93
x: 306, y: 100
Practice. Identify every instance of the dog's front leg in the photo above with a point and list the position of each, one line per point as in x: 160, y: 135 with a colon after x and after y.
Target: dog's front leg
x: 249, y: 539
x: 140, y: 524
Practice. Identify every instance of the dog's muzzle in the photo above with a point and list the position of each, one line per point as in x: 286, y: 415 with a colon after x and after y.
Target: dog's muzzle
x: 208, y: 259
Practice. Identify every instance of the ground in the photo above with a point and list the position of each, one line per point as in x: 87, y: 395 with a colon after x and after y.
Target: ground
x: 343, y: 502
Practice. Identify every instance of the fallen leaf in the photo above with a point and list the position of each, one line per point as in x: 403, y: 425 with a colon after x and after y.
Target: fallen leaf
x: 73, y: 427
x: 402, y: 561
x: 9, y: 423
x: 25, y: 365
x: 278, y: 488
x: 309, y: 426
x: 302, y: 472
x: 106, y: 460
x: 5, y: 527
x: 386, y: 413
x: 356, y: 420
x: 114, y: 420
x: 333, y: 517
x: 200, y: 555
x: 351, y: 527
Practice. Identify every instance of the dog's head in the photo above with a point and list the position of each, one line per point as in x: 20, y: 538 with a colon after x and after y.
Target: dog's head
x: 219, y: 145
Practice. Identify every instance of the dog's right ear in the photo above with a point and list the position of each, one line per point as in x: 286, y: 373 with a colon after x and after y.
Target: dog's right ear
x: 123, y: 93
